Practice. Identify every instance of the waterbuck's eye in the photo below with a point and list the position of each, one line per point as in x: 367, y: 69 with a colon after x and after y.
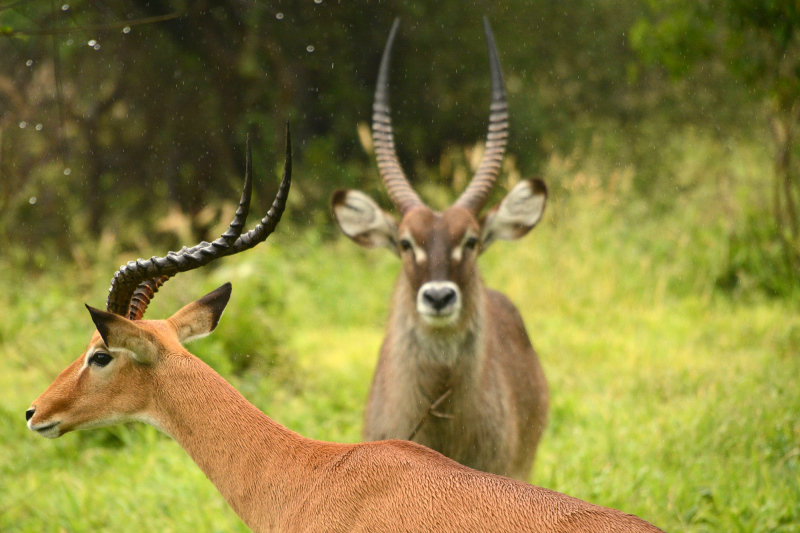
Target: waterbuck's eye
x: 100, y: 359
x: 405, y: 245
x: 471, y: 243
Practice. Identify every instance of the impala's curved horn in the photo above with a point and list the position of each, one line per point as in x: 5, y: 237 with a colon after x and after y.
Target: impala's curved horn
x: 135, y: 284
x: 400, y: 190
x: 475, y: 195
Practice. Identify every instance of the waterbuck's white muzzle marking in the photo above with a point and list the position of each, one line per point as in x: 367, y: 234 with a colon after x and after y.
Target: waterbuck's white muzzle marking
x: 439, y: 302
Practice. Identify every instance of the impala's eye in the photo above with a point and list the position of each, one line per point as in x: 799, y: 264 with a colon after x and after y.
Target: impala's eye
x: 100, y: 359
x: 471, y: 243
x: 405, y: 245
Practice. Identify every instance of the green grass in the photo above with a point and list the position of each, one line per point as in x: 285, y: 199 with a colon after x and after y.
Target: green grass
x: 670, y: 400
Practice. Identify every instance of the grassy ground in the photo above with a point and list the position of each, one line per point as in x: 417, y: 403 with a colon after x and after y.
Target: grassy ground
x: 669, y: 400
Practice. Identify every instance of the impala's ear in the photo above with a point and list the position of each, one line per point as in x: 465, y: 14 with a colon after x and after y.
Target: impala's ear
x: 361, y: 219
x: 516, y: 215
x: 123, y: 335
x: 199, y: 318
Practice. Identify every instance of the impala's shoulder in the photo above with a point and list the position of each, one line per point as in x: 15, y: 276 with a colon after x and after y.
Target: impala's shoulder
x: 391, y: 455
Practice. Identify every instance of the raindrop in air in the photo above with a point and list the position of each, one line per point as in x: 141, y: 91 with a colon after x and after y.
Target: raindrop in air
x: 310, y: 48
x: 23, y: 124
x: 96, y: 47
x: 32, y: 200
x: 65, y: 7
x: 317, y: 1
x: 126, y: 29
x: 29, y: 62
x: 39, y: 127
x: 279, y: 16
x: 92, y: 42
x: 67, y: 172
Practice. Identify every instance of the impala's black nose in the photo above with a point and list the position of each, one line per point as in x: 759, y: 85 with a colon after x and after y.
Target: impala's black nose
x: 29, y: 413
x: 439, y: 297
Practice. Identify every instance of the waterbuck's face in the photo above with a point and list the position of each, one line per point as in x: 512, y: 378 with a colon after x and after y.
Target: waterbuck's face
x: 439, y: 250
x: 111, y: 381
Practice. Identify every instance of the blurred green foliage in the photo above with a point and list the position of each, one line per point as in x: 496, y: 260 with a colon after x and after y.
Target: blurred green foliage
x: 121, y: 129
x: 758, y: 44
x: 656, y: 289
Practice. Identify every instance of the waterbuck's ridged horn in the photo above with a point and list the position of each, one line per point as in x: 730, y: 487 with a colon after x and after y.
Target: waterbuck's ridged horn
x: 135, y: 284
x: 400, y: 190
x: 475, y: 195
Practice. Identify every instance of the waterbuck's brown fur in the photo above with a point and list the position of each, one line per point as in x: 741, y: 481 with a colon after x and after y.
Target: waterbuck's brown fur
x: 450, y: 341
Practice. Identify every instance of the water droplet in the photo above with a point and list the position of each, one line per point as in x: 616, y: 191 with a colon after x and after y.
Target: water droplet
x: 70, y: 42
x: 67, y: 172
x: 23, y: 124
x: 65, y: 7
x: 279, y: 16
x: 29, y: 62
x: 310, y: 48
x: 96, y: 47
x: 39, y: 127
x: 92, y: 42
x: 32, y: 200
x: 317, y: 1
x: 126, y: 29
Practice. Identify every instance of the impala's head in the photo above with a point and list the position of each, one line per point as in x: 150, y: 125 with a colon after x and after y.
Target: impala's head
x: 439, y: 249
x: 113, y: 380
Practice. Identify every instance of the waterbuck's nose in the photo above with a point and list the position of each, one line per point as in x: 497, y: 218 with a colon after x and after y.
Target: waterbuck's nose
x: 29, y: 413
x: 439, y: 297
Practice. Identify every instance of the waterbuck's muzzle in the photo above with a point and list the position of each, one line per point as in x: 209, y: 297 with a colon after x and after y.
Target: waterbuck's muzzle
x: 439, y: 303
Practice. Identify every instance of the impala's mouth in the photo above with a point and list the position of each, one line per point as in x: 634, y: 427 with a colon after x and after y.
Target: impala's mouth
x: 49, y: 431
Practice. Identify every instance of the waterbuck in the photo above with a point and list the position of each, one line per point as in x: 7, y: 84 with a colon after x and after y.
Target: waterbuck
x: 456, y: 371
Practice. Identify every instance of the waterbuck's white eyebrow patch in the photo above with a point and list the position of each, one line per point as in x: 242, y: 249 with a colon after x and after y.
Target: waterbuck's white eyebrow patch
x: 458, y: 251
x: 419, y: 254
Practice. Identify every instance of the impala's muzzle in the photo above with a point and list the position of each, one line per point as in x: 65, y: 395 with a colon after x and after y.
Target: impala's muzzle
x: 439, y: 302
x: 48, y: 429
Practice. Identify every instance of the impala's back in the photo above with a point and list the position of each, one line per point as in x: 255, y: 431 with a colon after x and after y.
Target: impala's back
x: 457, y: 371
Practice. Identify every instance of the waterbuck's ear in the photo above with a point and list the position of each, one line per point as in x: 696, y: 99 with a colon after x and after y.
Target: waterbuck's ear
x: 361, y: 219
x: 199, y: 318
x: 123, y: 335
x: 516, y: 215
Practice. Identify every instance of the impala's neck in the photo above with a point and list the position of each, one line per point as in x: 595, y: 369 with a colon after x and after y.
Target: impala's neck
x: 252, y: 460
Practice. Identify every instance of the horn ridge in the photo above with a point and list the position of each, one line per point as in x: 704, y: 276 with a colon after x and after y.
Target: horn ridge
x: 400, y: 191
x: 268, y: 224
x: 475, y: 195
x: 135, y: 283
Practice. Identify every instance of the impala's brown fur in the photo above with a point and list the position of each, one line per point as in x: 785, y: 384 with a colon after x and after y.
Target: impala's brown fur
x: 273, y: 478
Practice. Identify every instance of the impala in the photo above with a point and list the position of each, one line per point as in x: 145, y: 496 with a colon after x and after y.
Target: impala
x: 456, y: 371
x: 276, y: 480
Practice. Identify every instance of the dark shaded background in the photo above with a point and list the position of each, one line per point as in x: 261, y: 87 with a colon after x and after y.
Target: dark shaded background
x: 111, y: 118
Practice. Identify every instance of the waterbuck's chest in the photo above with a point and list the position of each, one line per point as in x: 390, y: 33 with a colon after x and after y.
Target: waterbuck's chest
x: 436, y: 392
